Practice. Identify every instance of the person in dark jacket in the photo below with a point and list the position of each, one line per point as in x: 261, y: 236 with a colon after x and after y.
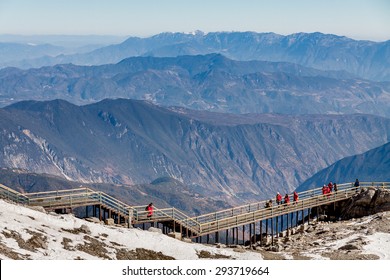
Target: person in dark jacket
x: 286, y: 199
x: 356, y: 185
x: 330, y: 186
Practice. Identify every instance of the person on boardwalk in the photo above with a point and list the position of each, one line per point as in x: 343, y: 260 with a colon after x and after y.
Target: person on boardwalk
x: 335, y: 187
x: 268, y: 204
x: 149, y: 208
x: 330, y: 186
x: 295, y: 197
x: 286, y: 199
x: 325, y: 189
x: 278, y: 198
x: 356, y: 185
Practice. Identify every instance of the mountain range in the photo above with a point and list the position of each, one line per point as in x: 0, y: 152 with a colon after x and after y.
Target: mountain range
x: 366, y: 59
x: 225, y: 116
x: 227, y: 157
x: 210, y: 82
x: 373, y: 165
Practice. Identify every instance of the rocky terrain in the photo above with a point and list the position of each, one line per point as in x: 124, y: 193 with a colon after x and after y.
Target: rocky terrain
x: 365, y: 238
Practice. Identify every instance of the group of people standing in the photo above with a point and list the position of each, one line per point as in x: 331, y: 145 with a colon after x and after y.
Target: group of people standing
x: 332, y: 187
x: 328, y: 189
x: 279, y: 199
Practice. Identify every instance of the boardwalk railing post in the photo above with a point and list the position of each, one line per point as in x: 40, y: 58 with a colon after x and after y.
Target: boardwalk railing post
x: 272, y: 231
x: 130, y: 220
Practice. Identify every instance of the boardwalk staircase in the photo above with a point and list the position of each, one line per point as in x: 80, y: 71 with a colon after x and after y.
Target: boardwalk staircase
x: 106, y: 206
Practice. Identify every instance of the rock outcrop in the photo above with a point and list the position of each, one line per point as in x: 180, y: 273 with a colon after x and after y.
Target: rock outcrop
x: 369, y: 201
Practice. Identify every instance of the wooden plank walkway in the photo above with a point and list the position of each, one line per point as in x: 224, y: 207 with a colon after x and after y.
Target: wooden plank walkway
x: 190, y: 226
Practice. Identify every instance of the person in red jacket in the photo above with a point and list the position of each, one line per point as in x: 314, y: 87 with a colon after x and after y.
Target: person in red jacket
x: 286, y: 199
x: 278, y: 198
x: 295, y: 197
x: 325, y: 189
x: 149, y: 208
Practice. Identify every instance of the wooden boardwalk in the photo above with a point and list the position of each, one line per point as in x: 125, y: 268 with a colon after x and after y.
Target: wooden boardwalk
x: 106, y: 206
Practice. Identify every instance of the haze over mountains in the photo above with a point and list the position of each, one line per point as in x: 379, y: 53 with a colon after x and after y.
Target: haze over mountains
x: 366, y: 59
x: 18, y: 50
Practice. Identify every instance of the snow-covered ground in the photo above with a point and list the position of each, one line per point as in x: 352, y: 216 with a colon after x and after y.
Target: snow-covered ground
x: 366, y: 238
x: 30, y: 234
x: 378, y: 244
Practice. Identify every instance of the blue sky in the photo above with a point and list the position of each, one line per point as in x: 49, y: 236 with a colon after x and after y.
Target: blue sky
x: 358, y: 19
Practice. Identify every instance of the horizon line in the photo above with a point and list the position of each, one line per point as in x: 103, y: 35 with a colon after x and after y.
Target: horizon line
x: 195, y: 32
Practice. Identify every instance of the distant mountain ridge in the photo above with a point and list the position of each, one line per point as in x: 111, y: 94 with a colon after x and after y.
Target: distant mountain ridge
x: 373, y: 165
x: 16, y: 51
x: 210, y: 82
x: 369, y: 60
x: 132, y: 142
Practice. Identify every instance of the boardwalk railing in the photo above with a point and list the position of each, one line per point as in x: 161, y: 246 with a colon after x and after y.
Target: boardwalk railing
x: 250, y: 213
x: 13, y: 195
x: 200, y: 225
x: 167, y: 214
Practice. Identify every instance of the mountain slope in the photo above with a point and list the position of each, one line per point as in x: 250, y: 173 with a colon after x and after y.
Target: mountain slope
x: 366, y: 59
x: 373, y: 165
x: 210, y: 82
x: 163, y: 192
x: 132, y: 142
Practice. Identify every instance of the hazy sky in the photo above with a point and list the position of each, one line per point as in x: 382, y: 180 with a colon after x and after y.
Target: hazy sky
x: 359, y: 19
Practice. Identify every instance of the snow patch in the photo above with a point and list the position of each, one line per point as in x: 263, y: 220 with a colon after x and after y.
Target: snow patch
x: 58, y: 230
x: 379, y: 244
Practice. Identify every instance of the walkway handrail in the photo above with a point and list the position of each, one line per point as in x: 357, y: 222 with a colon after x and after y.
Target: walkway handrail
x: 309, y: 201
x: 59, y: 192
x: 13, y: 195
x: 167, y: 213
x: 252, y: 207
x: 199, y: 225
x: 114, y: 203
